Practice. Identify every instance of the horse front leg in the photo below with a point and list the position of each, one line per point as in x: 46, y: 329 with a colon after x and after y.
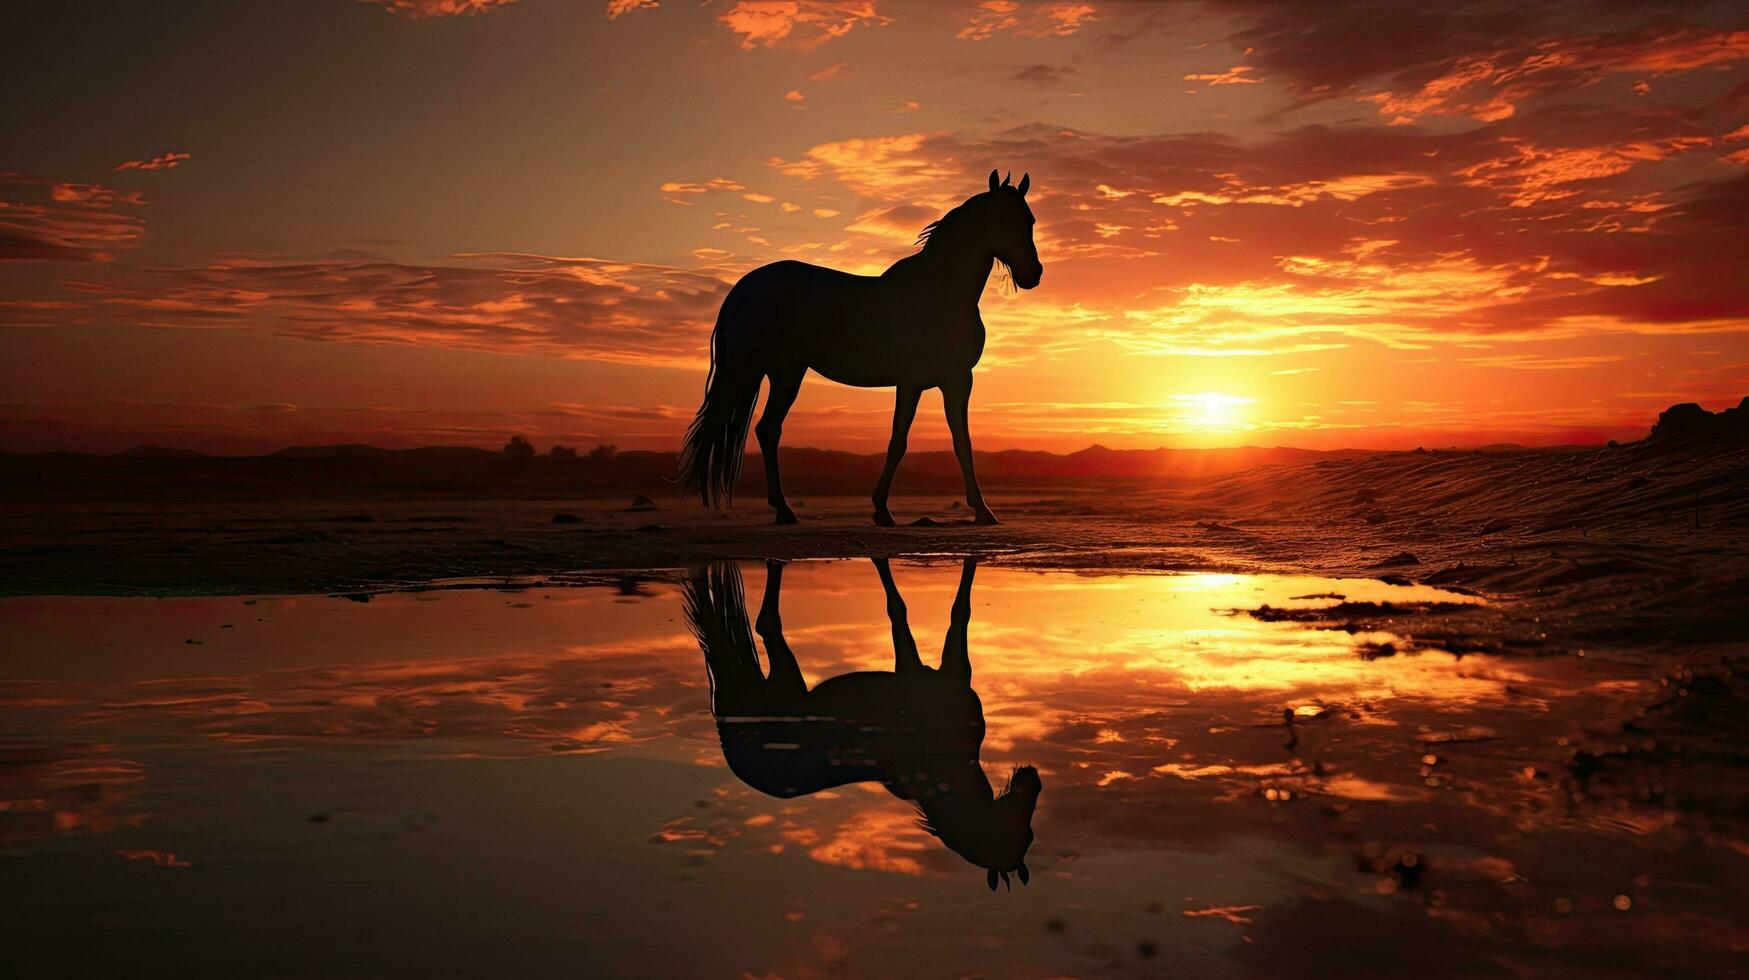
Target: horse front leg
x: 956, y: 660
x: 904, y: 410
x: 905, y: 658
x: 956, y: 397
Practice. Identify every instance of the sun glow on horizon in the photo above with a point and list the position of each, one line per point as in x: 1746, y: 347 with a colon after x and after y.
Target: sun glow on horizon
x: 1211, y: 411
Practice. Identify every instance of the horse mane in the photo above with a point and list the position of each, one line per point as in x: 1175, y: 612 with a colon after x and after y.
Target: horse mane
x: 928, y: 237
x: 927, y: 825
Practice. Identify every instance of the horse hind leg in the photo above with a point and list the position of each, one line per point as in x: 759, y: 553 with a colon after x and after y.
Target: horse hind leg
x: 785, y: 679
x: 785, y: 384
x: 904, y: 411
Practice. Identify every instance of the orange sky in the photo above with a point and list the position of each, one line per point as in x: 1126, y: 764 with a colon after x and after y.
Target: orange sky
x: 234, y: 227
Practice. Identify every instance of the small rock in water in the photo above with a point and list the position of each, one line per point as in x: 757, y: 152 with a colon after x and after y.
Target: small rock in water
x: 563, y: 518
x: 1397, y: 560
x: 641, y: 502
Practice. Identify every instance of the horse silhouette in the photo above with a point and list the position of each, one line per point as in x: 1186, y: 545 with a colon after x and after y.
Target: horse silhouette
x: 915, y: 326
x: 916, y: 730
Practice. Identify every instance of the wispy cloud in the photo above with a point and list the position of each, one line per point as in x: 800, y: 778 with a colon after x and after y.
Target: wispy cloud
x: 501, y: 302
x: 802, y: 24
x: 163, y: 161
x: 423, y: 9
x: 998, y: 17
x: 48, y: 221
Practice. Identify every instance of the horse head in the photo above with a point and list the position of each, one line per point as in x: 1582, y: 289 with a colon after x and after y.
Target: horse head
x: 995, y: 835
x: 1008, y: 223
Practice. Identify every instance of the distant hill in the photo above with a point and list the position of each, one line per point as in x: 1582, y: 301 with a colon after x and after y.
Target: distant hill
x: 357, y: 471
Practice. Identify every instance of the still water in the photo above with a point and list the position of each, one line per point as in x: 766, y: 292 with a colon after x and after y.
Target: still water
x: 823, y: 768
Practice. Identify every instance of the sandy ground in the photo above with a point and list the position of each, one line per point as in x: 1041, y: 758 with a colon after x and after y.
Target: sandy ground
x: 1636, y: 548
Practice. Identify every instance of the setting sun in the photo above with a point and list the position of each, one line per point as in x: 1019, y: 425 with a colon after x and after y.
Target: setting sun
x: 1211, y: 412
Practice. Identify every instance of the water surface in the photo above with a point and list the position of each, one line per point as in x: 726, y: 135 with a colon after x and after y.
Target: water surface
x: 528, y: 782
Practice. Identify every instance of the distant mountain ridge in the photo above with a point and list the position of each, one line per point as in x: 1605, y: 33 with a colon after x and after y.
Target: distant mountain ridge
x: 355, y: 471
x: 334, y: 472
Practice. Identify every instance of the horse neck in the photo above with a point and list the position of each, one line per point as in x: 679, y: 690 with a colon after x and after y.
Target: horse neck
x: 957, y: 259
x: 976, y: 825
x: 966, y: 802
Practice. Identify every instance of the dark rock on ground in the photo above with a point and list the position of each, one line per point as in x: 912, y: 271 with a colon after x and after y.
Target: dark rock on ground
x: 1689, y: 422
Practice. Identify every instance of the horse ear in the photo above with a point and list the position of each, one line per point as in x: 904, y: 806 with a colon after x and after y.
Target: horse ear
x: 995, y: 182
x: 1025, y: 875
x: 990, y: 879
x: 1008, y: 178
x: 1025, y: 182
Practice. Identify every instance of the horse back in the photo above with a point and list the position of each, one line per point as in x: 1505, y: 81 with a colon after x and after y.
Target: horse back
x: 866, y: 331
x: 859, y: 727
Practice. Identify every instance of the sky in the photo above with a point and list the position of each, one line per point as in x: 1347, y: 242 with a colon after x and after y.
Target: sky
x: 236, y: 226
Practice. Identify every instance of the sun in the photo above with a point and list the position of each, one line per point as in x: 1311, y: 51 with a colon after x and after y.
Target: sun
x: 1211, y: 411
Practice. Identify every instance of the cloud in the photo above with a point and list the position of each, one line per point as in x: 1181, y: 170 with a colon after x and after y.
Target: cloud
x: 619, y: 8
x: 1490, y: 85
x: 993, y: 17
x: 1236, y: 75
x: 701, y: 187
x: 1042, y: 74
x: 163, y: 161
x: 95, y: 195
x: 902, y: 222
x: 881, y: 166
x: 500, y: 302
x: 43, y: 220
x: 1479, y: 60
x: 424, y: 9
x: 803, y: 24
x: 1528, y: 173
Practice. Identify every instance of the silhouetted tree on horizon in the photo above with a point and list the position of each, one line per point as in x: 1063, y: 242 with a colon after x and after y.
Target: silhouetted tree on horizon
x: 519, y: 449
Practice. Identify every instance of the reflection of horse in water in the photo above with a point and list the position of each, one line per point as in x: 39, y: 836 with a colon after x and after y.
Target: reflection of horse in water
x: 916, y: 730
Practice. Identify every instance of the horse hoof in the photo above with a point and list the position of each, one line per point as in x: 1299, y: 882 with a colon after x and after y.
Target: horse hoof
x: 884, y: 519
x: 786, y: 517
x: 986, y: 518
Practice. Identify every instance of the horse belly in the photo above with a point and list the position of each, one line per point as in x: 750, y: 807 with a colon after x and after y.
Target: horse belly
x: 794, y: 757
x: 881, y: 348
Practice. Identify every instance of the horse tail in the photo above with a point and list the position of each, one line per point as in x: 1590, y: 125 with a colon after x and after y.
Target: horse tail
x: 710, y: 459
x: 716, y: 612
